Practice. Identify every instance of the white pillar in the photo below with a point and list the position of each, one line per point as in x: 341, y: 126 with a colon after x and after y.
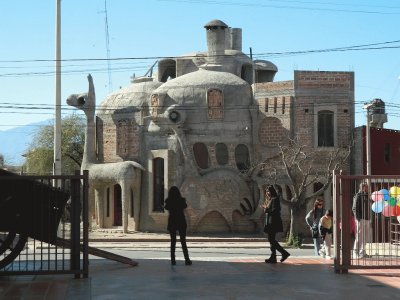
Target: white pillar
x: 57, y: 117
x: 368, y: 143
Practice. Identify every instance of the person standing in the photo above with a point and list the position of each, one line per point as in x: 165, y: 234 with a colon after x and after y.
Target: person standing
x: 326, y: 229
x: 361, y: 210
x: 176, y: 204
x: 312, y: 220
x: 273, y: 223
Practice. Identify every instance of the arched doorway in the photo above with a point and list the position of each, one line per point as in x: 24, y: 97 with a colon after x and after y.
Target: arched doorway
x: 117, y: 206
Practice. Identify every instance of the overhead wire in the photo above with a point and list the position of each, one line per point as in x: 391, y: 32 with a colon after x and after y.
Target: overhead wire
x: 20, y: 108
x: 313, y: 6
x: 141, y: 66
x: 343, y: 48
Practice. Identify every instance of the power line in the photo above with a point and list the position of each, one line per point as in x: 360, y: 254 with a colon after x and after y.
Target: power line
x: 345, y: 48
x: 9, y: 108
x: 313, y: 6
x: 196, y: 106
x: 107, y: 47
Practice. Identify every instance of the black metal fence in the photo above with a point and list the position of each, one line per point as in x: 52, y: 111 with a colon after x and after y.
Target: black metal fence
x: 370, y: 240
x: 43, y: 224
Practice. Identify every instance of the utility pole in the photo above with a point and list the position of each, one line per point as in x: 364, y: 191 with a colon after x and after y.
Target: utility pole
x: 367, y: 106
x: 57, y: 117
x: 368, y: 138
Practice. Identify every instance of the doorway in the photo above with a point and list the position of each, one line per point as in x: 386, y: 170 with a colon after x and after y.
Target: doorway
x: 117, y: 205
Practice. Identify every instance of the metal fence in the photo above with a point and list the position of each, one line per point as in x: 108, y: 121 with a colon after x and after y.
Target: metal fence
x: 370, y: 240
x: 43, y: 224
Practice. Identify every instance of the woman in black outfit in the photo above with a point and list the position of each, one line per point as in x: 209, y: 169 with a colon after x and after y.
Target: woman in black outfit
x: 176, y: 204
x: 273, y: 223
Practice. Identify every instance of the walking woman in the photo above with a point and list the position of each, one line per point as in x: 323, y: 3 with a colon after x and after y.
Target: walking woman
x: 273, y: 223
x: 176, y: 204
x: 312, y: 219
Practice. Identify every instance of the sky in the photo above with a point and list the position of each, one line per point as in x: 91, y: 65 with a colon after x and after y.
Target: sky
x: 294, y: 35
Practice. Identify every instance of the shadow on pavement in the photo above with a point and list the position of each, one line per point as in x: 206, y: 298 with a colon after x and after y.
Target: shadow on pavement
x: 297, y: 278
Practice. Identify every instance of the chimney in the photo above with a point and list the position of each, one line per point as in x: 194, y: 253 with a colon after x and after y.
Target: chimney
x: 216, y: 41
x: 233, y: 39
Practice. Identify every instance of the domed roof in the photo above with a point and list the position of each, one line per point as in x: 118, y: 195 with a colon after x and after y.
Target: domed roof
x: 185, y: 89
x: 133, y: 95
x: 265, y: 65
x: 203, y: 78
x: 216, y: 23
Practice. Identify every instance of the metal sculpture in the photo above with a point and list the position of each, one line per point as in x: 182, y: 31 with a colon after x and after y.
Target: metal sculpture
x: 28, y: 208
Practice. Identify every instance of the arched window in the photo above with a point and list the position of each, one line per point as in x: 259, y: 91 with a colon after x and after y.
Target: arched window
x: 222, y: 155
x: 158, y: 184
x: 242, y: 157
x: 123, y: 138
x: 132, y: 209
x: 117, y: 205
x: 215, y: 102
x: 247, y: 73
x: 289, y: 194
x: 201, y: 155
x: 317, y: 186
x: 108, y: 203
x: 325, y: 128
x: 166, y: 70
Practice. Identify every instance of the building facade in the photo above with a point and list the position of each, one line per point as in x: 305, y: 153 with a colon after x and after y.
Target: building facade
x: 385, y: 151
x: 200, y: 122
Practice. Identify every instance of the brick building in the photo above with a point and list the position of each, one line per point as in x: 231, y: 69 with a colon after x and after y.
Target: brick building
x: 201, y: 121
x: 385, y: 151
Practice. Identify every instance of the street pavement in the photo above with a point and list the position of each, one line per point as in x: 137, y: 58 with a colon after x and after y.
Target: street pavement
x: 224, y: 267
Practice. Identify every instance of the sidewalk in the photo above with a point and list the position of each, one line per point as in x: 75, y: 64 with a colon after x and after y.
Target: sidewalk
x: 116, y: 235
x: 299, y: 277
x: 157, y: 279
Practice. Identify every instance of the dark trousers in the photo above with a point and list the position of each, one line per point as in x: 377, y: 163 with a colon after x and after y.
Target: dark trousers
x: 182, y: 237
x: 274, y: 244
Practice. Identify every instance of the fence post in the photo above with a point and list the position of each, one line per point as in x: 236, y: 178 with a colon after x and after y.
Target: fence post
x: 346, y: 204
x: 85, y: 223
x: 336, y: 221
x: 75, y: 225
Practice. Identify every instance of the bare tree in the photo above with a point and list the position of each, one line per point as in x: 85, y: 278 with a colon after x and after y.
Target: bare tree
x: 298, y: 168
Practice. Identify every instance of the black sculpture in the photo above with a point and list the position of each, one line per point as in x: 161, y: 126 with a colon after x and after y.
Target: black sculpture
x: 28, y: 208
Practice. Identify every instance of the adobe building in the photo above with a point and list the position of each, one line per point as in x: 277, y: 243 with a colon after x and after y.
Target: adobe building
x: 200, y: 122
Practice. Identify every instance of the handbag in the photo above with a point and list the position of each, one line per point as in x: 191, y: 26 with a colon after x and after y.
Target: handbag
x: 267, y: 222
x: 315, y: 232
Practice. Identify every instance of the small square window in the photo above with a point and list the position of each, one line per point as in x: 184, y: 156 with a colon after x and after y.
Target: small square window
x: 387, y: 153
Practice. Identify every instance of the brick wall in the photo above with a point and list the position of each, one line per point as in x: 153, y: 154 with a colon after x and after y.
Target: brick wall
x: 272, y: 131
x: 316, y: 90
x: 119, y: 142
x: 278, y: 86
x: 324, y: 80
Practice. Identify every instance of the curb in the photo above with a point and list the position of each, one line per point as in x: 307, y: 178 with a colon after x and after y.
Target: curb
x: 160, y: 240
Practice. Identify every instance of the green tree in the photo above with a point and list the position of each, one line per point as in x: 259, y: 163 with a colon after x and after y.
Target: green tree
x: 1, y: 160
x: 39, y: 158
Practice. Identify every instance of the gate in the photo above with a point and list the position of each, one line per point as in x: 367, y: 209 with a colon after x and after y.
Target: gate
x: 380, y: 229
x: 43, y: 220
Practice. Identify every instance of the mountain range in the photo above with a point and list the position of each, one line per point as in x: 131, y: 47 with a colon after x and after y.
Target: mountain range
x: 15, y: 141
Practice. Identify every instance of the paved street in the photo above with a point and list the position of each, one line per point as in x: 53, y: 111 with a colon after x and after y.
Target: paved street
x: 221, y: 270
x: 200, y: 251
